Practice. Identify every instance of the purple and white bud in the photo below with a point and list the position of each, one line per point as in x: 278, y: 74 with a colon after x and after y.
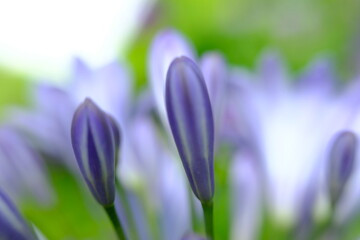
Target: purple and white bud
x: 95, y: 140
x: 192, y: 125
x: 341, y: 164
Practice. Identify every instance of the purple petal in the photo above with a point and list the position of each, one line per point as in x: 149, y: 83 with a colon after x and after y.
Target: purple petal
x: 191, y: 121
x: 110, y: 87
x: 166, y: 46
x: 215, y: 71
x: 272, y: 74
x: 22, y: 172
x: 246, y: 196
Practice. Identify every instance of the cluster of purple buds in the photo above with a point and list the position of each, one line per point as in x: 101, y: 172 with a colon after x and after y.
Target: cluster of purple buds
x: 204, y: 105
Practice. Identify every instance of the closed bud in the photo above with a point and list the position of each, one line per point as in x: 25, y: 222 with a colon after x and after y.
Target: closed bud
x: 192, y: 125
x: 341, y: 164
x: 12, y: 224
x: 95, y: 139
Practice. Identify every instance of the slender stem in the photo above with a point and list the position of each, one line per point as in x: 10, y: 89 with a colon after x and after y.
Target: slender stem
x: 111, y: 212
x: 208, y: 217
x: 127, y: 209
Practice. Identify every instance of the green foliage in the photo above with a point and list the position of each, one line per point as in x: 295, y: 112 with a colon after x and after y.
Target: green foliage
x: 242, y: 29
x: 73, y: 215
x: 13, y: 89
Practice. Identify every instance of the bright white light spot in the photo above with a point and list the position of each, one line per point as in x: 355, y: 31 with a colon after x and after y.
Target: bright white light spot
x: 40, y: 37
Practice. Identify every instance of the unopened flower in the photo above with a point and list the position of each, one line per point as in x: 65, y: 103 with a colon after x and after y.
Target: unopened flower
x: 96, y: 139
x: 341, y: 164
x: 192, y: 125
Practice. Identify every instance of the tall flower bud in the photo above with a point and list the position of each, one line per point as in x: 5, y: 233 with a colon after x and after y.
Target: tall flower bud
x: 341, y: 164
x: 192, y: 125
x: 12, y: 224
x: 95, y: 140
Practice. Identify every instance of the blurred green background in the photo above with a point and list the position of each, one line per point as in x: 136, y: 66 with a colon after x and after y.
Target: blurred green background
x: 242, y: 29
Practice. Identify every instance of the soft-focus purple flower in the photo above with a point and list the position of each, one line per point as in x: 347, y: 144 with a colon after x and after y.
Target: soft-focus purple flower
x: 47, y: 127
x: 215, y: 70
x: 245, y: 197
x: 341, y: 163
x: 96, y: 139
x: 167, y: 45
x: 287, y: 125
x: 21, y: 168
x: 12, y: 224
x: 192, y: 125
x: 174, y: 204
x: 109, y: 86
x: 159, y: 174
x: 216, y: 75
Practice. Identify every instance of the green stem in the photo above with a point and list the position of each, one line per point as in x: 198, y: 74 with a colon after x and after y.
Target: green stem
x: 325, y: 226
x: 208, y: 217
x: 127, y: 209
x: 111, y: 212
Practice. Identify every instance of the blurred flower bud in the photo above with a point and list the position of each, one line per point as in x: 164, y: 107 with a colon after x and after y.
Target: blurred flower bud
x: 341, y: 164
x: 167, y: 45
x: 192, y: 125
x: 22, y: 170
x: 96, y: 139
x: 12, y: 224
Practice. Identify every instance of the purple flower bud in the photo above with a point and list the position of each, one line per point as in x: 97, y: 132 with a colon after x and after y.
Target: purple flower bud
x: 341, y: 163
x: 96, y: 139
x: 12, y: 224
x: 192, y: 125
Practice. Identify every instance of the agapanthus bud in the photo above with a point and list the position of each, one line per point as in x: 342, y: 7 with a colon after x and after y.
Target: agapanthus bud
x: 96, y: 139
x: 192, y: 125
x: 12, y: 224
x: 341, y: 163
